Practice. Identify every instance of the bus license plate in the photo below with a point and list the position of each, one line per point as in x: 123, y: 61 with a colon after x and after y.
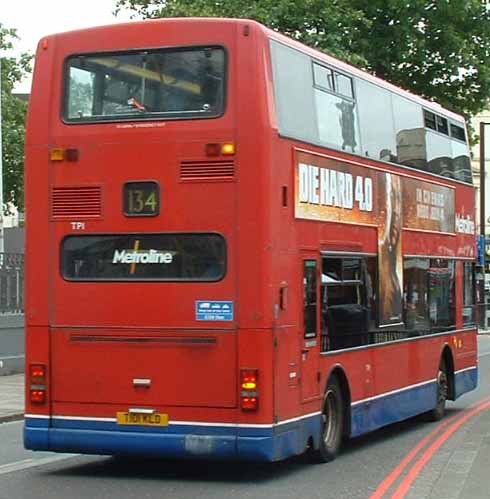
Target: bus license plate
x: 138, y: 418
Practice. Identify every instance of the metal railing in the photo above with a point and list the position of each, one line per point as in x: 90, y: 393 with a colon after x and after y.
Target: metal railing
x: 11, y: 283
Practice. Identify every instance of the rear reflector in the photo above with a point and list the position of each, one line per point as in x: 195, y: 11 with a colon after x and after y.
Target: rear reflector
x: 213, y: 150
x: 72, y: 155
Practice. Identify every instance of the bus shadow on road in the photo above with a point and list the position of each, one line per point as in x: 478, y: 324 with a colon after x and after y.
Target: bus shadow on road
x: 183, y: 469
x: 119, y: 467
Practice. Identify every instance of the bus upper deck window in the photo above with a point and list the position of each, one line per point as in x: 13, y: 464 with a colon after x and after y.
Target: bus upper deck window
x: 158, y: 84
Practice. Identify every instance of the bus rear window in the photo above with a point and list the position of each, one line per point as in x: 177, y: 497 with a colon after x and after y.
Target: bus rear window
x: 153, y: 257
x: 156, y: 84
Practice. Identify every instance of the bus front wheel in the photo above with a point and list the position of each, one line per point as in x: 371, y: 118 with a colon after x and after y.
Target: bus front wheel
x: 331, y: 426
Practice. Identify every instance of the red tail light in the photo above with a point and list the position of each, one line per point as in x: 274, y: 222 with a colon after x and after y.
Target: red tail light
x: 38, y: 383
x: 249, y: 394
x: 250, y: 403
x: 38, y: 396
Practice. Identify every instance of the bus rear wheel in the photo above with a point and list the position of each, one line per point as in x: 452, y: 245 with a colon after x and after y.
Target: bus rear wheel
x: 331, y: 428
x: 439, y: 410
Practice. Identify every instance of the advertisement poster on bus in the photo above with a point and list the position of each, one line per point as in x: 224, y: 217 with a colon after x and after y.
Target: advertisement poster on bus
x: 390, y: 256
x: 428, y: 206
x: 327, y: 189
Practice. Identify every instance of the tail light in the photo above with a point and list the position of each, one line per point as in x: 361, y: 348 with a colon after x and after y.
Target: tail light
x: 249, y: 394
x: 64, y: 154
x: 38, y: 383
x: 225, y: 149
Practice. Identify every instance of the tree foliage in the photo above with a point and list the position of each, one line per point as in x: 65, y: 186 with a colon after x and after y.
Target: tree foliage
x: 327, y: 25
x: 439, y: 49
x: 13, y: 69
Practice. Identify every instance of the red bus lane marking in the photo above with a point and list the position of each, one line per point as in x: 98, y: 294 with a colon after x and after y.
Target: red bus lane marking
x: 390, y: 479
x: 404, y: 486
x: 455, y: 423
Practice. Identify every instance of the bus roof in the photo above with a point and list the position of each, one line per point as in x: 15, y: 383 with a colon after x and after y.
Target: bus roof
x: 269, y: 33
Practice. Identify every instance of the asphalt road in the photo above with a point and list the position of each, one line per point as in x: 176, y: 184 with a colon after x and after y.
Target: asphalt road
x: 357, y: 472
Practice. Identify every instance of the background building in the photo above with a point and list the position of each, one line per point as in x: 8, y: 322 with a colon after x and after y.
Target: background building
x: 475, y: 154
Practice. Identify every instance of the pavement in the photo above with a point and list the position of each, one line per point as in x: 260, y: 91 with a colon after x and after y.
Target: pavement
x: 11, y: 397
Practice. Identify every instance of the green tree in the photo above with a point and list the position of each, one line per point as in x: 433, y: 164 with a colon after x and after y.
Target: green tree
x: 325, y: 24
x: 439, y: 49
x: 13, y: 69
x: 81, y: 97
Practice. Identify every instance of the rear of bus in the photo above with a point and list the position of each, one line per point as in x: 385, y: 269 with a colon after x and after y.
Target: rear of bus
x: 133, y: 230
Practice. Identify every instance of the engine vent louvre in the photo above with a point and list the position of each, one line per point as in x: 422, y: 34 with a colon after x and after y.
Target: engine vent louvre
x: 214, y: 171
x: 76, y: 202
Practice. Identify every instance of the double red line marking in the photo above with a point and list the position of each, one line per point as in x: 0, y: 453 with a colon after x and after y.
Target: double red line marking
x: 450, y: 425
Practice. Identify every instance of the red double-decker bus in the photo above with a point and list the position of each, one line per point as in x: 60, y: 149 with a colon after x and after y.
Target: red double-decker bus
x: 237, y: 246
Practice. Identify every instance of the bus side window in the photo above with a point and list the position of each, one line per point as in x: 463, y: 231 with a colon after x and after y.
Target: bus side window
x: 325, y: 339
x: 344, y: 308
x: 309, y: 298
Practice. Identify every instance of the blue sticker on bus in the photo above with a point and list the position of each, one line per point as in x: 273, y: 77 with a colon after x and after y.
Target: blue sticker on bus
x: 214, y: 310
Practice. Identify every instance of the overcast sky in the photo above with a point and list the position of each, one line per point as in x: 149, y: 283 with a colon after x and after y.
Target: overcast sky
x: 34, y: 19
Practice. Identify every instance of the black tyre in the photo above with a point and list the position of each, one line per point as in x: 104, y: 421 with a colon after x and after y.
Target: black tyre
x: 331, y: 425
x: 442, y: 394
